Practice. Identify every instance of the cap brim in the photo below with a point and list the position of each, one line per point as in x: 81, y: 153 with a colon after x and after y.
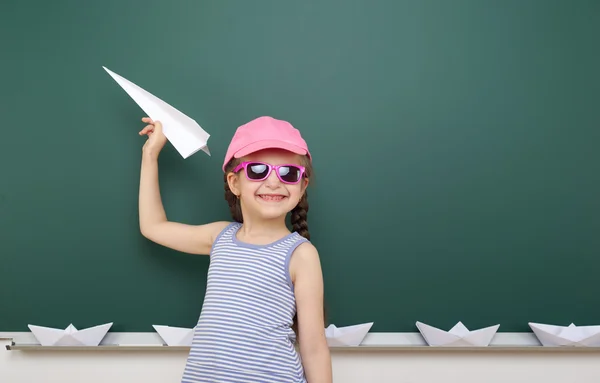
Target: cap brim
x: 269, y: 144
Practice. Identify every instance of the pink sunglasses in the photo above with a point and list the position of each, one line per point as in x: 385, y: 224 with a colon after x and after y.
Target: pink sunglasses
x: 259, y: 171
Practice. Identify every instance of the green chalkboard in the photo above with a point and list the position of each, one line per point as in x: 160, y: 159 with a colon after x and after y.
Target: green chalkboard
x: 455, y: 147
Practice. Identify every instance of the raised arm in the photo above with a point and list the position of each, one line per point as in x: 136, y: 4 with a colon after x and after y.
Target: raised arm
x: 154, y: 225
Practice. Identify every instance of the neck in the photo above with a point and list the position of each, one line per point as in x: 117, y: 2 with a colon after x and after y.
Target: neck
x: 259, y: 231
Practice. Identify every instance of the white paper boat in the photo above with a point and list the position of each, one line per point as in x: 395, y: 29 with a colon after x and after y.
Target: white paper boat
x: 572, y: 335
x: 348, y: 335
x: 175, y: 336
x: 458, y: 336
x: 70, y: 336
x: 183, y: 132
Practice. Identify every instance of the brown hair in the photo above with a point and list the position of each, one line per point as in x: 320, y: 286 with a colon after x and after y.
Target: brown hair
x: 298, y: 216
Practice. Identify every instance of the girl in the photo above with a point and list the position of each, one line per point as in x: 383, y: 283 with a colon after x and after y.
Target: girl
x: 262, y: 278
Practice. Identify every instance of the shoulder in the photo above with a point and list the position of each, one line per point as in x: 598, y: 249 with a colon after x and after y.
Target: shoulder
x: 305, y: 258
x: 219, y: 227
x: 211, y: 232
x: 306, y: 250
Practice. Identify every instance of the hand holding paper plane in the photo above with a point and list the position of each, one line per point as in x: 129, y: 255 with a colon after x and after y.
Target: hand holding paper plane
x: 458, y: 336
x: 347, y: 336
x: 70, y: 336
x: 183, y: 132
x: 554, y: 336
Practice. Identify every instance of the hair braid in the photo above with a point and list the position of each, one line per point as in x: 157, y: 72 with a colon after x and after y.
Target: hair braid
x: 299, y: 216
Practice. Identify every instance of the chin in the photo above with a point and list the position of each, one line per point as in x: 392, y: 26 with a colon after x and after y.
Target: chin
x: 273, y: 209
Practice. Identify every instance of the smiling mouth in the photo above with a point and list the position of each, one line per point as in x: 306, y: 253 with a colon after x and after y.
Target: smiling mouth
x: 271, y: 197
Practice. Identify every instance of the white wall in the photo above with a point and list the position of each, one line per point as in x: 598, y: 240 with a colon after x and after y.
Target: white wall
x: 349, y: 366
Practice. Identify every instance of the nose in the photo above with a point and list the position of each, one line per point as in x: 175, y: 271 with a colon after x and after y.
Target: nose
x: 272, y: 180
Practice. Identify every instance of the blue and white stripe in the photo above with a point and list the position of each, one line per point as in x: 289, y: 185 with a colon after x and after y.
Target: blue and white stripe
x: 244, y: 331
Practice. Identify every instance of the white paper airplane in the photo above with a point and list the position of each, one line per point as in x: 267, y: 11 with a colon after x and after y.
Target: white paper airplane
x: 175, y: 336
x: 458, y: 336
x: 183, y: 132
x: 70, y: 336
x: 572, y: 335
x: 348, y: 335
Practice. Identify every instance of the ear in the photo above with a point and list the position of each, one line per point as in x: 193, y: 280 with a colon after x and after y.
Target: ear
x: 305, y: 183
x: 234, y: 183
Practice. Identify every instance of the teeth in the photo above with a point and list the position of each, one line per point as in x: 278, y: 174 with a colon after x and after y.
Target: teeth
x: 272, y: 197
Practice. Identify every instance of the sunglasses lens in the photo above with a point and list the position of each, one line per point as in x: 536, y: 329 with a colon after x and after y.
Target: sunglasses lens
x: 289, y: 173
x: 257, y: 171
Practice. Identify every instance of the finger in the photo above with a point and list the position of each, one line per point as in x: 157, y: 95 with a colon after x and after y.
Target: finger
x: 147, y: 128
x: 147, y: 119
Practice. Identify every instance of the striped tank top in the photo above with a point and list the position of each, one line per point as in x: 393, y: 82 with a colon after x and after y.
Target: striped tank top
x: 244, y: 331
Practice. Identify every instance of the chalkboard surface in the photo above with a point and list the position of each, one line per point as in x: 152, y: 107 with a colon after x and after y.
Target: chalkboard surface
x: 455, y: 147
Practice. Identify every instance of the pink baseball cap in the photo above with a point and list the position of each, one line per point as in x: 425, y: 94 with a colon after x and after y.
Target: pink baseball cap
x: 265, y: 133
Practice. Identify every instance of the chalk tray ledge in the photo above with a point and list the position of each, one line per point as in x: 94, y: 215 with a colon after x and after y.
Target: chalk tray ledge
x: 102, y: 347
x: 373, y: 342
x: 361, y: 348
